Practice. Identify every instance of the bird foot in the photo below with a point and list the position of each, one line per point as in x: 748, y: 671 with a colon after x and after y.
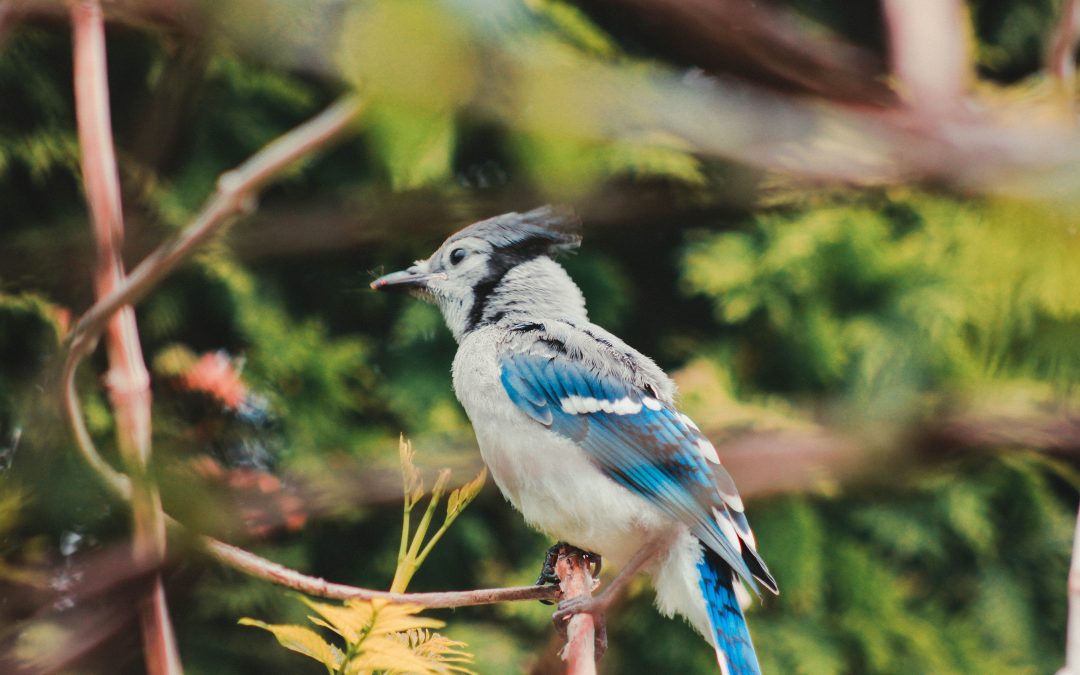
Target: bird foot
x: 596, y: 606
x: 547, y: 572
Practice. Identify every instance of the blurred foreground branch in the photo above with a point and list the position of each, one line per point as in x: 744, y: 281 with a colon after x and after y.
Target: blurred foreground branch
x: 851, y: 128
x: 128, y: 381
x: 777, y: 461
x: 928, y: 53
x: 763, y: 42
x: 1060, y: 57
x: 1072, y: 632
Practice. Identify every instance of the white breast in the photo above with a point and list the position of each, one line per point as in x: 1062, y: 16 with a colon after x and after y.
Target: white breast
x: 547, y: 477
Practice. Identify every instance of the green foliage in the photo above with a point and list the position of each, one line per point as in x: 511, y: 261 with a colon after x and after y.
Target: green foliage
x: 912, y: 292
x: 934, y: 580
x: 866, y: 308
x: 878, y: 300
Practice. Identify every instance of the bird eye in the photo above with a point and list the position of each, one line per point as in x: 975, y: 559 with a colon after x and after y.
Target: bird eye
x: 457, y: 255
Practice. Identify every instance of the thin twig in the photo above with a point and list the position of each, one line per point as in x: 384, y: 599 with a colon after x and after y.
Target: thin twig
x: 235, y: 195
x: 261, y: 568
x: 128, y: 379
x: 1072, y: 632
x: 576, y: 581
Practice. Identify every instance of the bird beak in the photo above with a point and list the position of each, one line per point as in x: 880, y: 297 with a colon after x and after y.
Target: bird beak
x: 409, y: 279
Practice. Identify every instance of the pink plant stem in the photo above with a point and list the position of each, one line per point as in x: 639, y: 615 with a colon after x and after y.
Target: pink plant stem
x: 1060, y: 59
x: 127, y: 380
x: 1072, y: 631
x: 576, y: 581
x: 928, y: 53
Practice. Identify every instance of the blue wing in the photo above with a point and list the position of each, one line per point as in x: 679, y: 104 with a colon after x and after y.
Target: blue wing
x: 645, y: 445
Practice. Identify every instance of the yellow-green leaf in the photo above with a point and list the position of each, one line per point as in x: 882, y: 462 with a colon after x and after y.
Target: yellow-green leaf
x: 350, y: 622
x: 301, y: 640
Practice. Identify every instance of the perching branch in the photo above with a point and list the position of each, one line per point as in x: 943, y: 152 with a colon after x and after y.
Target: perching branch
x: 576, y: 581
x: 128, y: 380
x: 261, y: 568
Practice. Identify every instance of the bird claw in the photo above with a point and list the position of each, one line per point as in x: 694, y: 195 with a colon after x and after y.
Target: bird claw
x: 548, y: 574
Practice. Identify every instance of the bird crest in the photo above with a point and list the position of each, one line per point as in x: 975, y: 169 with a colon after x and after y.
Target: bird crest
x: 548, y: 230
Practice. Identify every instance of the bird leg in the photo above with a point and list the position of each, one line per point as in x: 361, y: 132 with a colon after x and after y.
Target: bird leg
x: 574, y: 568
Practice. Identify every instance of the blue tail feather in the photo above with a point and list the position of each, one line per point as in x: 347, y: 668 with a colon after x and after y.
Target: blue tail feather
x: 734, y: 649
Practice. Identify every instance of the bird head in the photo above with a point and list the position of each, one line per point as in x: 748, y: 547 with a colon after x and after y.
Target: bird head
x: 496, y: 267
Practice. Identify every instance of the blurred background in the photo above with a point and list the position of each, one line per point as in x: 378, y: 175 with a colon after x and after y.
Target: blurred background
x: 848, y: 229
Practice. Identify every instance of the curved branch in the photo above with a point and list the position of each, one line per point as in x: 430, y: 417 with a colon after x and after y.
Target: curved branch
x: 235, y: 194
x: 261, y: 568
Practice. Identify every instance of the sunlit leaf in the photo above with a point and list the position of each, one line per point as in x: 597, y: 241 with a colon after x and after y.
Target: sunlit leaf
x: 302, y: 640
x: 350, y: 622
x: 461, y: 497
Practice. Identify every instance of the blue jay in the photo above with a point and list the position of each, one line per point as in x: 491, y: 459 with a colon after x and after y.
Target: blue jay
x: 581, y: 432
